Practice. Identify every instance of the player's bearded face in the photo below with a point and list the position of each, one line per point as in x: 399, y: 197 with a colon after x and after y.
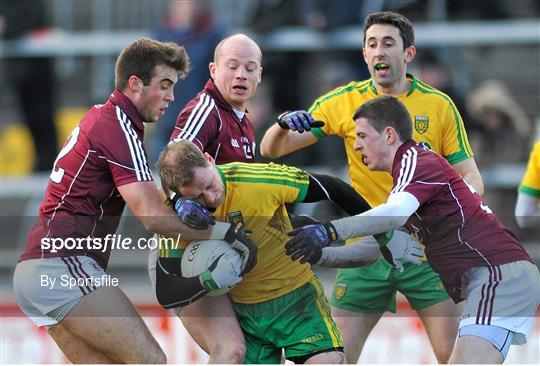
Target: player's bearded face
x: 384, y: 54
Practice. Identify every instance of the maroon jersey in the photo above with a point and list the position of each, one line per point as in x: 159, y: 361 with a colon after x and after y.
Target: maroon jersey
x: 458, y: 230
x: 82, y: 200
x: 212, y: 124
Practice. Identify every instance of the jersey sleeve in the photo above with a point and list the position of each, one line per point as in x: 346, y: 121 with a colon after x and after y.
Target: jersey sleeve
x: 121, y: 147
x: 322, y: 110
x: 421, y: 177
x: 287, y: 184
x: 530, y: 185
x: 197, y: 122
x: 456, y: 146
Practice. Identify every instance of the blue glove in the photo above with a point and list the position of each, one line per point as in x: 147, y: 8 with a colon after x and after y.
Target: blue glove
x: 308, y: 242
x: 193, y: 214
x: 297, y: 121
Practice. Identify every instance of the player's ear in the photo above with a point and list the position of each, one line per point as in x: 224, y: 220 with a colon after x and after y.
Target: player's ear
x: 135, y: 84
x: 410, y: 53
x: 390, y: 135
x: 209, y: 159
x: 212, y: 69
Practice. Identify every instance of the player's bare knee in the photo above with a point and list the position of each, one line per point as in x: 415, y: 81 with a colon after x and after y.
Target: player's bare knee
x: 236, y: 354
x: 229, y: 353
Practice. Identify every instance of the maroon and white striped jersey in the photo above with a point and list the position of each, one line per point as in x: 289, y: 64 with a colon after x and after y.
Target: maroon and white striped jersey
x: 82, y: 200
x: 457, y: 228
x: 211, y: 123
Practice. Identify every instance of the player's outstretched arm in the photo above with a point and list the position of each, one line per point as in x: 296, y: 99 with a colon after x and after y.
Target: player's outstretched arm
x: 307, y: 242
x: 388, y: 216
x: 146, y: 202
x: 325, y: 187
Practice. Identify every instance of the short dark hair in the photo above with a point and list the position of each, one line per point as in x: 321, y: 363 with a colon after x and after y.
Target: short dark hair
x: 404, y: 25
x: 142, y: 56
x: 177, y: 162
x: 386, y: 111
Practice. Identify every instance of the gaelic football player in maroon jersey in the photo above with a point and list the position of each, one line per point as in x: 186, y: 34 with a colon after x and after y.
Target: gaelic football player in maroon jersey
x: 478, y: 259
x: 100, y: 168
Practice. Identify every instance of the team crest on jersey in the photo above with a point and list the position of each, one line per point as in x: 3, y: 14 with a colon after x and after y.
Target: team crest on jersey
x: 341, y: 289
x: 236, y: 219
x: 421, y: 124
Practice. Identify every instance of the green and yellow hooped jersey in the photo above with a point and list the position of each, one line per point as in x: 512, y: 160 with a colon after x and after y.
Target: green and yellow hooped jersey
x: 530, y: 185
x: 256, y: 195
x: 436, y: 122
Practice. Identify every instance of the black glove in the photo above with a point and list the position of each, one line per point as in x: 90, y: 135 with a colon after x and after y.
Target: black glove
x: 308, y: 242
x: 297, y: 121
x: 239, y: 240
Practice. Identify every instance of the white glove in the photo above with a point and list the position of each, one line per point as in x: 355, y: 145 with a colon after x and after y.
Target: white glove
x: 223, y: 273
x: 402, y: 246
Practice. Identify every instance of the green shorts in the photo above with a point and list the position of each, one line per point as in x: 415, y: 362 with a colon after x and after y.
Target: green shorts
x: 298, y: 323
x: 372, y: 289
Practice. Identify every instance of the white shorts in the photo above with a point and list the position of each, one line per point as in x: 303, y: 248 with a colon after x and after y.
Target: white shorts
x: 152, y: 260
x: 505, y: 296
x: 47, y: 289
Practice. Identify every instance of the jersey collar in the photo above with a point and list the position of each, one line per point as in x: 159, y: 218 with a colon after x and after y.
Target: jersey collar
x: 118, y: 98
x: 410, y: 77
x: 400, y: 151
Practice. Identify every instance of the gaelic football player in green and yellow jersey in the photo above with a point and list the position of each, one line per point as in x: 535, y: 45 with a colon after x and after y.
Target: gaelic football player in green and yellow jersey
x: 280, y: 304
x: 362, y: 295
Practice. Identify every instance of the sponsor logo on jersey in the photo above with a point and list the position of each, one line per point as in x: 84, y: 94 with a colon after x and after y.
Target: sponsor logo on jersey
x: 235, y: 143
x: 341, y: 289
x: 421, y: 124
x: 248, y: 147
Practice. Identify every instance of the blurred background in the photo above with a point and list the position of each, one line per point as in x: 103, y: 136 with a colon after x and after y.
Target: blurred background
x: 58, y: 57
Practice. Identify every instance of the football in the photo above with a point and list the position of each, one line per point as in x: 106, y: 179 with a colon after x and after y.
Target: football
x: 200, y: 254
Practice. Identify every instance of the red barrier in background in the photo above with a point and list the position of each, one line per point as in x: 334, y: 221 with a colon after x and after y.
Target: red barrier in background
x: 396, y: 339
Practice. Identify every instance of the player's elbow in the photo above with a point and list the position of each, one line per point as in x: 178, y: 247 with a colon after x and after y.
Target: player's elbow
x: 151, y: 223
x: 268, y: 152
